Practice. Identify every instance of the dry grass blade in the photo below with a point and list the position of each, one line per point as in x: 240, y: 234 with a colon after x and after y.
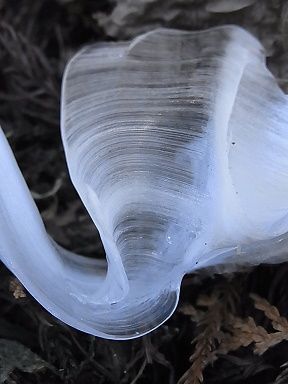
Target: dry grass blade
x: 30, y: 79
x: 282, y: 378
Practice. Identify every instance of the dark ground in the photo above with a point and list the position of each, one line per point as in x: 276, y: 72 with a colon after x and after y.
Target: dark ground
x: 36, y: 39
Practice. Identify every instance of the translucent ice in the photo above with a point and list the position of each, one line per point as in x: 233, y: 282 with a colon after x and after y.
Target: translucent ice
x: 177, y: 143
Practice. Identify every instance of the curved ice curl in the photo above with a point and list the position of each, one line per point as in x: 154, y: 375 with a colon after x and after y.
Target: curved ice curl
x: 177, y: 144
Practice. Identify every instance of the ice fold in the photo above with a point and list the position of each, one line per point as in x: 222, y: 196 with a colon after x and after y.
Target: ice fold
x: 177, y: 145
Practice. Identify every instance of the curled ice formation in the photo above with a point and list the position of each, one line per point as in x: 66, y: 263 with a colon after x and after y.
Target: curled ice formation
x: 177, y: 143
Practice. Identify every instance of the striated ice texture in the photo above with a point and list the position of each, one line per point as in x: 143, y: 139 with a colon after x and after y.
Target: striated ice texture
x: 177, y: 143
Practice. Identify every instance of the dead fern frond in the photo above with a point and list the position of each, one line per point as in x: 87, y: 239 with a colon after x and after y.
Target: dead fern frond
x: 220, y: 331
x: 243, y: 332
x: 279, y: 323
x: 209, y: 333
x: 209, y: 325
x: 195, y: 314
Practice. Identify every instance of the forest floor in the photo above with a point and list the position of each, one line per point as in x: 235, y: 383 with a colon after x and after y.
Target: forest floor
x: 238, y: 323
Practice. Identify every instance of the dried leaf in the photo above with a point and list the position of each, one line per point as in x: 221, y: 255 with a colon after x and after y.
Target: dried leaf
x: 16, y: 288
